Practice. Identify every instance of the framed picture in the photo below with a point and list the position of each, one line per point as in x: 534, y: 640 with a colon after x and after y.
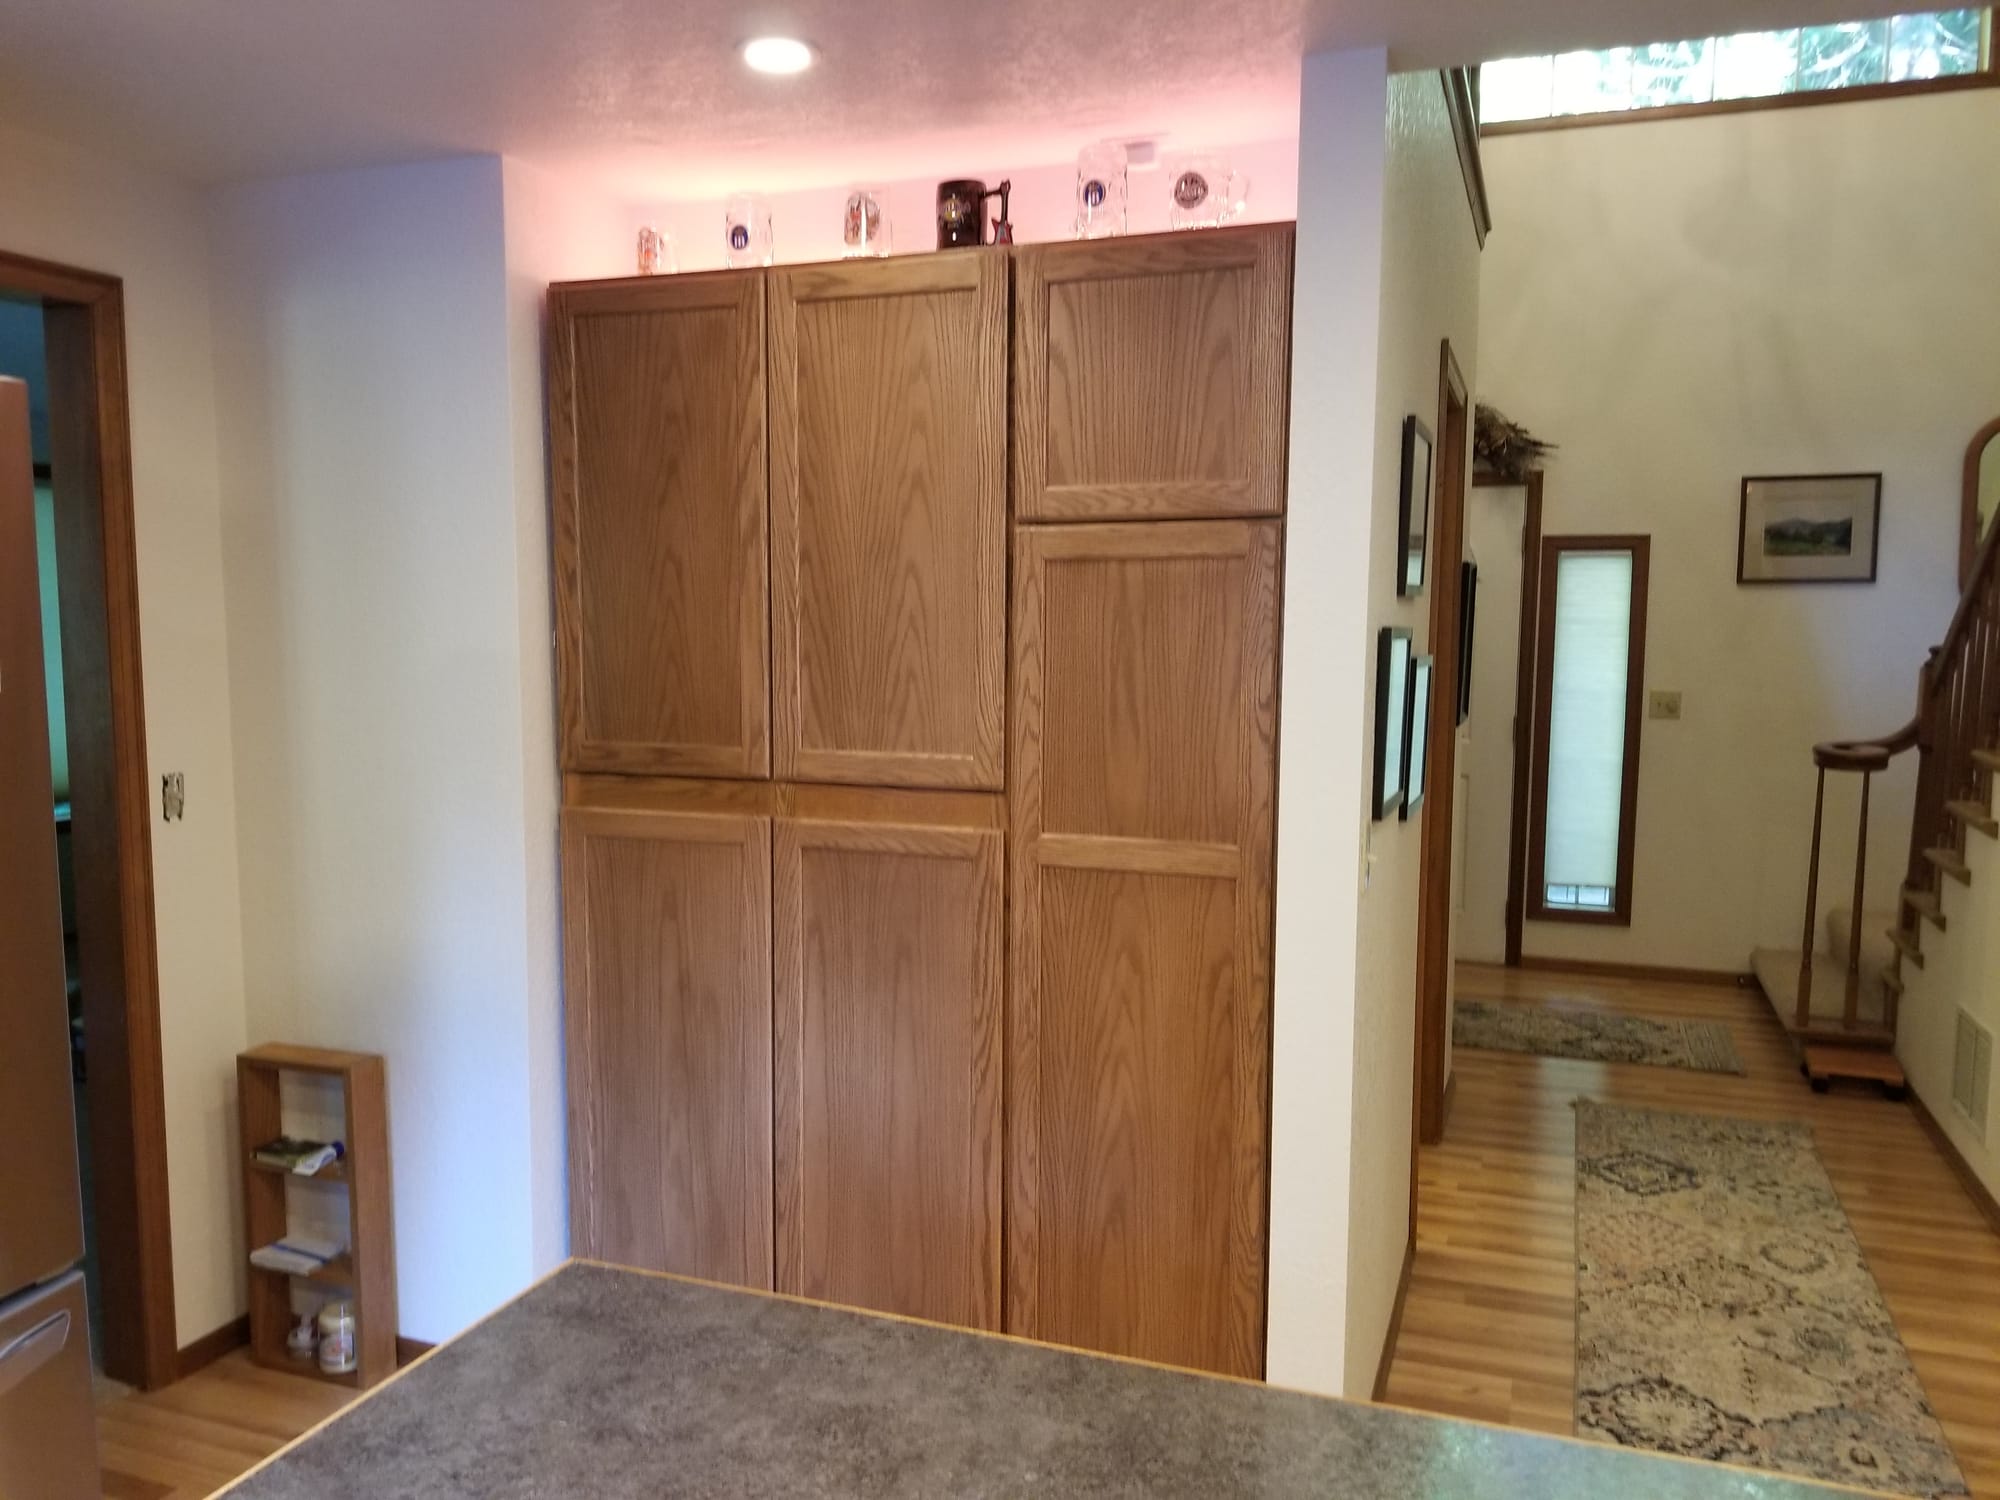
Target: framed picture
x: 1468, y: 603
x: 1809, y: 528
x: 1417, y: 735
x: 1392, y: 700
x: 1413, y: 521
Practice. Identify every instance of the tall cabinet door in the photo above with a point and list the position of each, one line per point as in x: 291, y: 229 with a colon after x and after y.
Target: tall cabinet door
x: 888, y: 980
x: 889, y: 520
x: 657, y: 458
x: 1138, y: 1065
x: 667, y: 957
x: 1150, y: 376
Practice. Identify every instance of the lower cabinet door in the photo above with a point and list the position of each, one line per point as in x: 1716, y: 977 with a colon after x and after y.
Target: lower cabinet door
x: 667, y: 958
x: 888, y: 953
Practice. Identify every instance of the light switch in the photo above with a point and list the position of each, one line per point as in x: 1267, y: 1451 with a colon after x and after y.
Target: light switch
x: 1663, y: 703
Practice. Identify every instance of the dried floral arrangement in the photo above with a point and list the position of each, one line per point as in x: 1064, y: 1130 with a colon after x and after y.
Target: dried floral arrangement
x: 1505, y: 448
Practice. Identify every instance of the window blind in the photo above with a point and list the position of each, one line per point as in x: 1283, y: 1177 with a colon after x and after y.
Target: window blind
x: 1593, y: 625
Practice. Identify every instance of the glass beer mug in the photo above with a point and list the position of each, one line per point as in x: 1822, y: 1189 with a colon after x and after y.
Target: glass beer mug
x: 1100, y: 191
x: 1203, y: 191
x: 746, y: 228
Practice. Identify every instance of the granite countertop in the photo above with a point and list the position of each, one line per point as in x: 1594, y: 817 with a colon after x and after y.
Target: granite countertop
x: 608, y: 1383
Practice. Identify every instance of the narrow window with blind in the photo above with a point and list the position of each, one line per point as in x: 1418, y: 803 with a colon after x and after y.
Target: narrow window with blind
x: 1590, y: 657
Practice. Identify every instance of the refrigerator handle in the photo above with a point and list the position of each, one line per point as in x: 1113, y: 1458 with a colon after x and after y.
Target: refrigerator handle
x: 21, y: 1357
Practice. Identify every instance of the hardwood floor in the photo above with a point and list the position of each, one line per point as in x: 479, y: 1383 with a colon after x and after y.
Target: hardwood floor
x: 1489, y: 1327
x: 191, y: 1438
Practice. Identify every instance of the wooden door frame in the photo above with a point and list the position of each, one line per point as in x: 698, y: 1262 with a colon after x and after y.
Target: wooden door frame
x: 97, y: 566
x: 1440, y: 775
x: 1524, y: 718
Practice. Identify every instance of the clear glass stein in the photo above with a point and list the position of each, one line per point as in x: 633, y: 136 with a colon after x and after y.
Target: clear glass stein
x: 1203, y: 191
x: 746, y: 229
x: 864, y: 226
x: 1101, y: 191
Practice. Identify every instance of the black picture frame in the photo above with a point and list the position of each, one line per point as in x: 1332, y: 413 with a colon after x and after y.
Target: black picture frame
x: 1417, y: 735
x: 1413, y: 508
x: 1392, y: 692
x: 1858, y: 495
x: 1468, y: 607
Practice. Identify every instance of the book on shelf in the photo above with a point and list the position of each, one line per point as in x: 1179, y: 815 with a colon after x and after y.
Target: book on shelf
x: 303, y: 1158
x: 298, y: 1254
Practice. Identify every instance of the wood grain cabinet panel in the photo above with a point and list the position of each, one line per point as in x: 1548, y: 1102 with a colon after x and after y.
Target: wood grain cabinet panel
x: 657, y: 457
x: 1138, y: 1062
x: 1150, y: 375
x: 667, y: 957
x: 889, y: 520
x: 888, y: 979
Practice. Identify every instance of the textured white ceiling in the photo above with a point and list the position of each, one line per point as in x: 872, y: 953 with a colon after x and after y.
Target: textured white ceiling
x: 651, y: 99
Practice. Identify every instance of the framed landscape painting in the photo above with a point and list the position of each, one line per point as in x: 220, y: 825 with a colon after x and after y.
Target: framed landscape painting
x: 1809, y: 528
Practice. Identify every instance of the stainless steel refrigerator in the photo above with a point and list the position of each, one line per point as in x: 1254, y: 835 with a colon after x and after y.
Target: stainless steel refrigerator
x: 48, y: 1429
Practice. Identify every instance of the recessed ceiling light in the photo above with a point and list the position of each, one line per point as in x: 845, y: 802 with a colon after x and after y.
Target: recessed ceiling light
x: 777, y: 54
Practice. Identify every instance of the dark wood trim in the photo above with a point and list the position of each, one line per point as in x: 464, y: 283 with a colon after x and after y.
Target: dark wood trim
x: 1462, y: 103
x: 1650, y: 973
x: 1524, y: 715
x: 1453, y: 462
x: 1382, y: 1365
x: 1859, y: 94
x: 409, y: 1351
x: 211, y: 1346
x: 1743, y: 522
x: 1553, y: 547
x: 1450, y: 1095
x: 1968, y: 521
x: 111, y: 832
x: 1961, y: 1168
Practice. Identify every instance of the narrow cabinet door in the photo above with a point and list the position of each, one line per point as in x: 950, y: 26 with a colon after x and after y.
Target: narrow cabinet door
x: 1138, y: 1065
x: 1150, y: 376
x: 889, y: 520
x: 888, y: 973
x: 657, y: 461
x: 667, y: 960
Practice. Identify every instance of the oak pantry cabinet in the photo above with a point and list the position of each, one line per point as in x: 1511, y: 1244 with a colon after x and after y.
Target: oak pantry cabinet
x: 917, y: 660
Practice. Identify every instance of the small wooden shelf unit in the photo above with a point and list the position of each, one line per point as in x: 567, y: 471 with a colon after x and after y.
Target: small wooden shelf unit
x: 367, y: 1273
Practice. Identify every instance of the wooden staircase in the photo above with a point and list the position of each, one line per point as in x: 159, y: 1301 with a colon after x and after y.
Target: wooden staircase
x: 1840, y: 1009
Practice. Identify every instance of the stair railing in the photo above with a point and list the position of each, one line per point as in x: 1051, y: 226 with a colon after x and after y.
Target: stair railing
x: 1954, y: 734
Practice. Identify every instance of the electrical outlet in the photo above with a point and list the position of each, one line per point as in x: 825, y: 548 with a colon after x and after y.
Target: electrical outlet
x: 1663, y: 703
x: 173, y: 797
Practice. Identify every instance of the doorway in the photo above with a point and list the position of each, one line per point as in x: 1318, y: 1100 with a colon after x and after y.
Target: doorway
x: 84, y: 485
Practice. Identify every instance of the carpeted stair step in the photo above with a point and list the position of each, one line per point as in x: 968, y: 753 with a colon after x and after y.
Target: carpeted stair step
x: 1948, y: 860
x: 1907, y: 946
x: 1975, y: 815
x: 1926, y: 905
x: 1777, y: 973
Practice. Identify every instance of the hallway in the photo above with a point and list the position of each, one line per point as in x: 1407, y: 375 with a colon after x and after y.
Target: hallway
x: 1488, y: 1329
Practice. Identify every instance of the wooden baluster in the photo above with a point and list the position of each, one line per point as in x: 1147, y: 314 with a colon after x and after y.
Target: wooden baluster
x: 1812, y: 903
x: 1850, y: 1015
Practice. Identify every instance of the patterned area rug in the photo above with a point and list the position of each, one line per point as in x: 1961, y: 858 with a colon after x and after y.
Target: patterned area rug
x: 1593, y: 1035
x: 1724, y: 1310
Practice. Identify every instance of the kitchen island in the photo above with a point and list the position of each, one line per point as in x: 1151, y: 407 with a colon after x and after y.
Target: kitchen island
x: 603, y: 1384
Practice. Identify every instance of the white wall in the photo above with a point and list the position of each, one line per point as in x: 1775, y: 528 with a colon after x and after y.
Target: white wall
x: 1961, y: 970
x: 1387, y: 268
x: 1493, y: 517
x: 389, y: 618
x: 1042, y: 207
x: 67, y: 206
x: 1678, y: 304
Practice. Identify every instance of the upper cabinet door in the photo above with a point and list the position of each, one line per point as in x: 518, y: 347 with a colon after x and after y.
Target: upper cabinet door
x: 656, y: 435
x: 889, y: 520
x: 1138, y: 1061
x: 1150, y: 376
